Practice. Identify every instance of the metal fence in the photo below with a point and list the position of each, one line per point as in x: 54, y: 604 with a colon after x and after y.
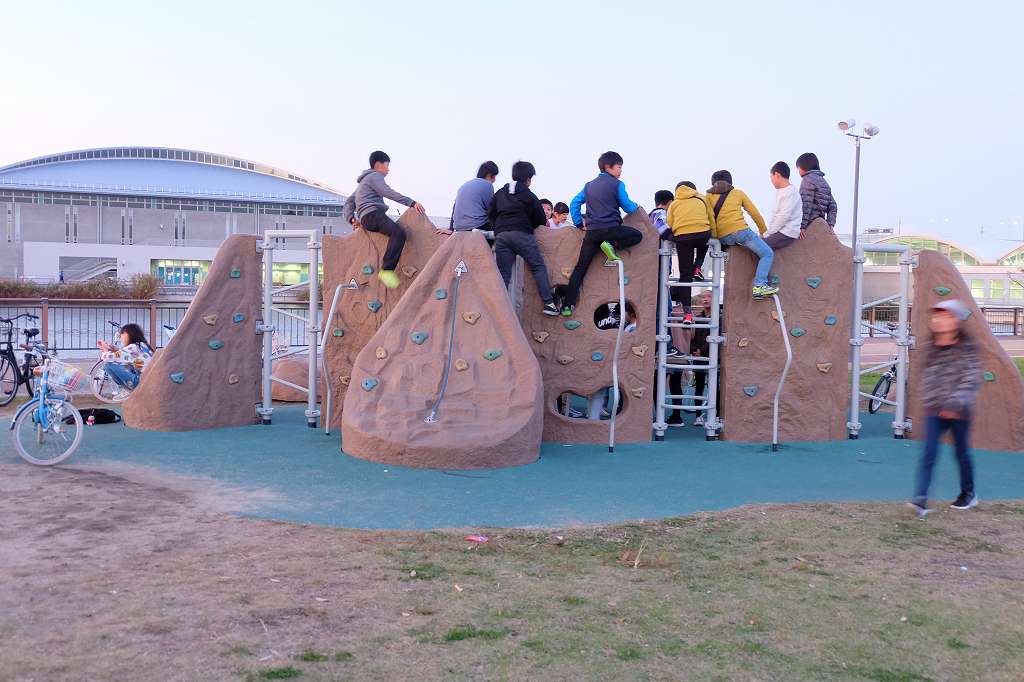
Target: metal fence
x: 76, y: 325
x: 1002, y: 321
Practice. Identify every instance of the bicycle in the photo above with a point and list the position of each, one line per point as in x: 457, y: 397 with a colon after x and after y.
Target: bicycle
x: 103, y: 386
x: 48, y: 429
x: 11, y: 375
x: 884, y: 384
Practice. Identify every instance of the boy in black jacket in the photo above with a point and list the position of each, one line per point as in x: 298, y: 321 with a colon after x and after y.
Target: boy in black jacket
x: 515, y: 213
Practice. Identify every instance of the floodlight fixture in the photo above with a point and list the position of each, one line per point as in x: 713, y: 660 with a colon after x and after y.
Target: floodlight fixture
x: 870, y: 129
x: 846, y: 124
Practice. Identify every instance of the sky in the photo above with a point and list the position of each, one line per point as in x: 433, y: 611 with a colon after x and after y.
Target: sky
x: 680, y: 89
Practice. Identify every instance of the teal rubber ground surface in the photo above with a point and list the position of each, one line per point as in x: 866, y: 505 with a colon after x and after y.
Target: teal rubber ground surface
x: 313, y: 482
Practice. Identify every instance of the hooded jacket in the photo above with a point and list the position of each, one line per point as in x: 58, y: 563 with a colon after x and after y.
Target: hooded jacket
x: 691, y: 213
x: 369, y: 196
x: 515, y: 208
x: 816, y: 195
x: 730, y: 218
x: 951, y: 377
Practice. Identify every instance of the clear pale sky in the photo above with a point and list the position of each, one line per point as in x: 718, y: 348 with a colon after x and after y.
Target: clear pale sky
x: 680, y: 89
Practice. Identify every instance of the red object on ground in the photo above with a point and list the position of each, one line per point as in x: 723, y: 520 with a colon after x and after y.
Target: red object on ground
x: 477, y: 538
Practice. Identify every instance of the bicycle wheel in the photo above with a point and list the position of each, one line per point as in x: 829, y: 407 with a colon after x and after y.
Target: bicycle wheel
x: 104, y: 387
x: 881, y: 390
x: 52, y: 442
x: 8, y: 380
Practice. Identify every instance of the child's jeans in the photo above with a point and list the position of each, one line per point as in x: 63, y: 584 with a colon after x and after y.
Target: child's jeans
x: 749, y: 240
x: 123, y: 375
x: 934, y: 428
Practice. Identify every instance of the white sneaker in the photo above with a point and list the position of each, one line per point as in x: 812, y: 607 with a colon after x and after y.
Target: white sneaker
x: 699, y: 421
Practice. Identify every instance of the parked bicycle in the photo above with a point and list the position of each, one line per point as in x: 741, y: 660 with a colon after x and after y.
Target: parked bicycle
x: 103, y: 385
x: 47, y: 429
x: 13, y: 376
x: 884, y: 384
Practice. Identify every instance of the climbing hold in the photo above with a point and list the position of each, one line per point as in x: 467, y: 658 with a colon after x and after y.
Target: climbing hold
x: 540, y: 337
x: 564, y: 359
x: 750, y: 390
x: 830, y: 320
x: 440, y: 294
x: 567, y: 272
x: 238, y: 317
x: 236, y: 273
x: 369, y: 383
x: 638, y: 392
x: 215, y: 344
x: 210, y: 319
x: 374, y: 306
x: 988, y: 376
x: 419, y: 337
x: 625, y: 279
x: 824, y: 367
x: 380, y: 353
x: 744, y: 342
x: 813, y: 282
x: 232, y: 379
x: 639, y: 351
x: 798, y: 331
x: 345, y: 380
x: 338, y: 332
x: 597, y: 356
x: 409, y: 270
x: 942, y: 291
x: 775, y: 315
x: 572, y: 324
x: 461, y: 365
x: 773, y: 280
x: 471, y: 318
x: 178, y: 377
x: 492, y: 354
x: 367, y: 269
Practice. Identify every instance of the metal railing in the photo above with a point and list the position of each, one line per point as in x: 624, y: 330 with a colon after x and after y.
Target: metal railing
x: 1002, y: 320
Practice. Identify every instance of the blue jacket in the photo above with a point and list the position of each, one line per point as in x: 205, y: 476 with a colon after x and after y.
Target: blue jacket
x: 604, y: 196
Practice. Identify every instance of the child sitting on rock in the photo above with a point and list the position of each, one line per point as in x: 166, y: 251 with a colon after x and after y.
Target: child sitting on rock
x: 662, y: 198
x: 815, y: 192
x: 125, y: 365
x: 604, y: 196
x: 728, y: 205
x: 365, y: 208
x: 691, y: 220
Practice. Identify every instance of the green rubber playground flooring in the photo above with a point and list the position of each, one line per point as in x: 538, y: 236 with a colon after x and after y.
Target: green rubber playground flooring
x: 302, y: 476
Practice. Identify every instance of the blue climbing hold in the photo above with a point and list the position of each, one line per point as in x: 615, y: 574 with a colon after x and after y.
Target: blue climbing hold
x: 238, y: 317
x: 597, y: 356
x: 943, y: 291
x: 236, y: 273
x: 374, y: 306
x: 988, y: 376
x: 369, y: 383
x: 215, y: 344
x: 419, y: 337
x: 338, y: 332
x: 440, y: 294
x: 830, y: 320
x: 751, y: 391
x: 813, y: 282
x: 625, y: 279
x: 798, y: 331
x: 178, y: 377
x: 367, y: 269
x: 492, y: 354
x: 572, y: 324
x: 773, y: 280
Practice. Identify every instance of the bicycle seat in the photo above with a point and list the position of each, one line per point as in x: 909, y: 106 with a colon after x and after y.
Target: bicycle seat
x: 29, y: 333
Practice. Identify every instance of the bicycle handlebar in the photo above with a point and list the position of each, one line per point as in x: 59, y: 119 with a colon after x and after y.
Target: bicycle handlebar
x: 9, y: 320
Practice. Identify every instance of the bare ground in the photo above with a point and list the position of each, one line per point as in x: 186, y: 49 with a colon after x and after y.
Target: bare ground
x: 123, y: 574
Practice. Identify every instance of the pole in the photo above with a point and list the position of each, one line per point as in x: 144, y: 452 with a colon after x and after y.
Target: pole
x: 615, y: 357
x: 313, y: 329
x: 855, y: 318
x: 267, y: 329
x: 785, y: 371
x: 663, y: 336
x: 856, y: 189
x: 902, y: 346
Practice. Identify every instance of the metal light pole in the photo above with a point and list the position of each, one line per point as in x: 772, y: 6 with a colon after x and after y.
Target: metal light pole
x: 869, y: 131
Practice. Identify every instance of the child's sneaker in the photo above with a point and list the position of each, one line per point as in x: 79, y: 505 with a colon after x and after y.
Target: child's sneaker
x: 920, y: 509
x: 688, y: 318
x: 965, y: 501
x: 764, y: 290
x: 698, y: 275
x: 699, y: 421
x: 567, y: 310
x: 675, y: 419
x: 609, y: 251
x: 550, y: 309
x: 389, y: 278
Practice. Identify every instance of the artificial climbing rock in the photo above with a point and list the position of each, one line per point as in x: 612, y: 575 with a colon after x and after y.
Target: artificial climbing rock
x: 294, y: 370
x: 208, y: 398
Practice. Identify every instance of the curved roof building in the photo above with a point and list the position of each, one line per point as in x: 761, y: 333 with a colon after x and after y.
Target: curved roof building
x: 1014, y: 257
x: 957, y: 254
x: 164, y: 171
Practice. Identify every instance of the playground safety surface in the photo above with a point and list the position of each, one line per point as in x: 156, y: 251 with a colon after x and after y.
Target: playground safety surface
x: 290, y: 472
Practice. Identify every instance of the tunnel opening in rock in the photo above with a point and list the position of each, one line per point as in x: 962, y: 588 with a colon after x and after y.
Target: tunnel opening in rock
x: 593, y: 407
x: 606, y: 315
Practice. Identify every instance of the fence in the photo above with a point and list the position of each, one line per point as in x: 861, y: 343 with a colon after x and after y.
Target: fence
x: 76, y: 324
x: 1002, y: 320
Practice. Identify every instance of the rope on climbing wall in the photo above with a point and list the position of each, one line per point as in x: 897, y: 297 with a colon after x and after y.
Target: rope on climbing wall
x: 785, y: 371
x: 615, y: 356
x: 460, y: 270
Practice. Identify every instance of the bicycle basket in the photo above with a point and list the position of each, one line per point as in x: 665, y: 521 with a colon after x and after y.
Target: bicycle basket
x: 65, y: 377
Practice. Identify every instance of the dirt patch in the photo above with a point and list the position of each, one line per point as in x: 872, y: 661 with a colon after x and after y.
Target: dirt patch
x: 123, y: 574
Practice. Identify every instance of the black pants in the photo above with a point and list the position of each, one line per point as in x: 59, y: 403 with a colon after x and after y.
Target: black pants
x: 777, y: 241
x: 690, y: 250
x: 621, y: 237
x: 508, y: 245
x: 378, y: 221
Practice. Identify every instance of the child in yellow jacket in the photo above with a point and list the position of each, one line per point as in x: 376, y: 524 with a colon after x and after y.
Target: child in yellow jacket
x: 692, y: 221
x: 728, y: 205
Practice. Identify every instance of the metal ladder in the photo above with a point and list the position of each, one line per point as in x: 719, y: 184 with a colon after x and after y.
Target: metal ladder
x: 709, y: 406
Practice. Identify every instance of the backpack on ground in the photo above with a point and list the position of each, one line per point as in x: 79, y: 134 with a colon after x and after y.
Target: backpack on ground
x: 100, y: 415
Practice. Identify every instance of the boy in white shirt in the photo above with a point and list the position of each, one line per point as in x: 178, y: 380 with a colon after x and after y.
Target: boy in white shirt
x: 784, y: 228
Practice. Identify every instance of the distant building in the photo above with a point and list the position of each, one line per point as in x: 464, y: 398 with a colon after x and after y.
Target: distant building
x: 126, y: 210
